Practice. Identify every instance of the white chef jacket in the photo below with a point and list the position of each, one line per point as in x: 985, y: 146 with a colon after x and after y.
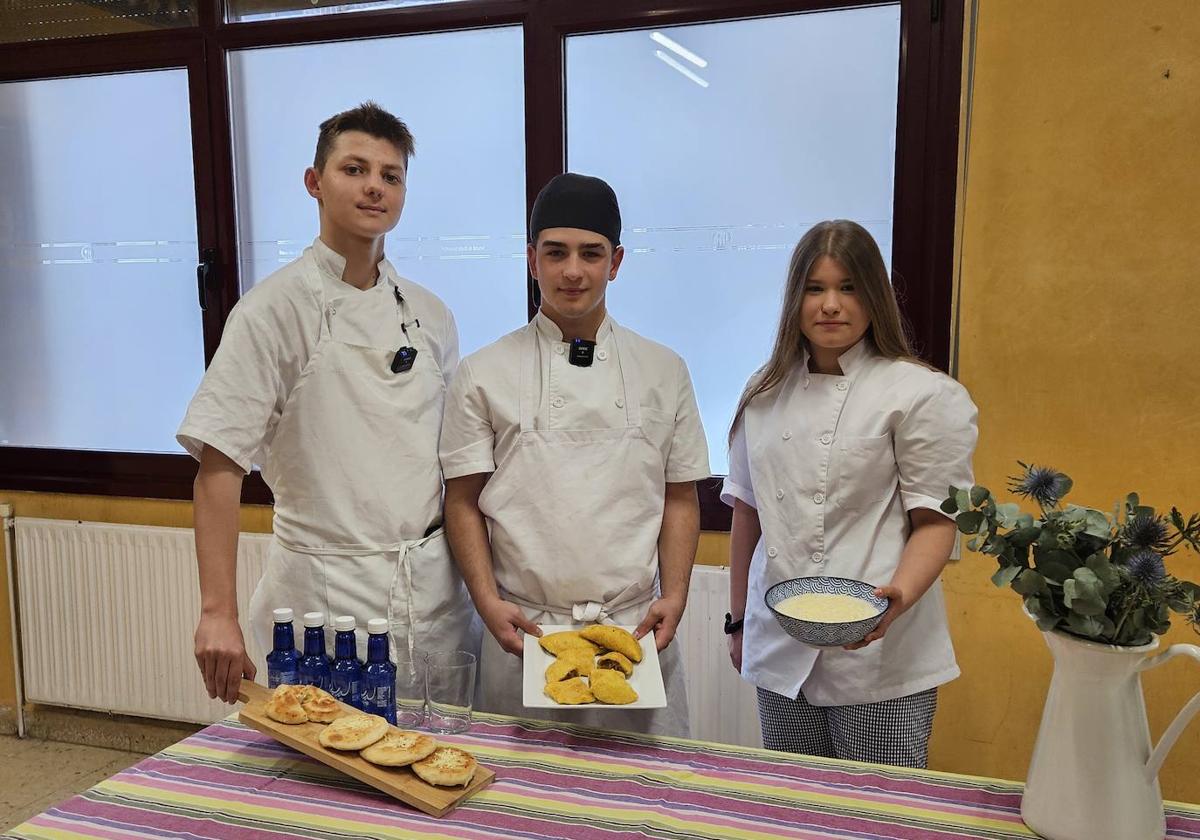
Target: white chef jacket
x: 833, y: 464
x: 267, y: 342
x: 482, y: 419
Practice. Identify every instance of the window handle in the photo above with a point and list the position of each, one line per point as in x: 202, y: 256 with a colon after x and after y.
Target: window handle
x: 206, y: 275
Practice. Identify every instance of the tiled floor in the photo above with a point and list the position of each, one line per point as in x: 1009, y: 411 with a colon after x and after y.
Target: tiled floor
x: 36, y: 774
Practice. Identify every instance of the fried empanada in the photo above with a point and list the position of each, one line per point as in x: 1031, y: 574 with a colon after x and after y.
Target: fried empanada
x: 555, y: 643
x: 611, y: 687
x: 561, y: 669
x: 353, y: 732
x: 580, y: 659
x: 616, y: 662
x: 570, y: 692
x: 447, y: 766
x: 614, y: 638
x: 284, y: 705
x: 399, y: 748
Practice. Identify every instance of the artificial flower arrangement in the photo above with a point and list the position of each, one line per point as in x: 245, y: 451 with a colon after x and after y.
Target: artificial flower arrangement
x: 1096, y: 575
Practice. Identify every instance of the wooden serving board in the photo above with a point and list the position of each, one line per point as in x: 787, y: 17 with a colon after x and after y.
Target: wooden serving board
x: 399, y: 782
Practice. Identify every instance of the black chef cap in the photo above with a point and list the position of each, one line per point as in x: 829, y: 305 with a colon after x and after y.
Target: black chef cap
x: 577, y: 201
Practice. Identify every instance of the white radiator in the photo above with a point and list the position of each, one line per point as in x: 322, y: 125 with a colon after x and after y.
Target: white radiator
x: 722, y: 705
x: 108, y: 613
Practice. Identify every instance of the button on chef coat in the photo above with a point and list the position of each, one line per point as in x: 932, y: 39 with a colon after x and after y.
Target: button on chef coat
x: 483, y: 420
x: 899, y: 435
x: 268, y: 340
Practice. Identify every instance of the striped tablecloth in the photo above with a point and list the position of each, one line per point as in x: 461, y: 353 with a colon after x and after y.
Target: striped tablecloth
x: 229, y: 781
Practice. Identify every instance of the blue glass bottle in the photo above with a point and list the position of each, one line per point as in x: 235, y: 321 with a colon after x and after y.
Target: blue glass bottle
x: 314, y: 665
x: 347, y: 670
x: 379, y: 674
x: 283, y: 662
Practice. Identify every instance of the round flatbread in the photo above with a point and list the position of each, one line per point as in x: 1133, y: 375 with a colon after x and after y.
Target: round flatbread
x: 284, y: 705
x: 399, y: 748
x: 611, y: 687
x: 616, y: 662
x: 447, y: 766
x: 555, y: 643
x: 320, y: 705
x: 353, y: 732
x: 614, y: 638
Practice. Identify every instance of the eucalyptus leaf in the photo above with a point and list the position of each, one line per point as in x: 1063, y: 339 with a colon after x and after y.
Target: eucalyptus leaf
x: 1025, y: 536
x: 969, y: 522
x: 1005, y: 574
x: 949, y: 506
x: 1007, y: 513
x: 979, y: 494
x: 963, y: 499
x: 1029, y: 582
x: 1084, y: 625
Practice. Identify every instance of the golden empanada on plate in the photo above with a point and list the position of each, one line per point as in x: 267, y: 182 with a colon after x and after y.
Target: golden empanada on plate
x: 570, y: 692
x: 561, y: 669
x: 611, y: 687
x: 399, y: 748
x: 614, y: 638
x: 555, y: 643
x: 284, y: 705
x: 580, y: 659
x: 447, y: 766
x: 353, y: 732
x: 616, y: 662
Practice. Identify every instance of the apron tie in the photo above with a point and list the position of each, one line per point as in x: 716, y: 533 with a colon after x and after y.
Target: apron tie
x: 402, y: 566
x: 586, y: 612
x: 589, y: 613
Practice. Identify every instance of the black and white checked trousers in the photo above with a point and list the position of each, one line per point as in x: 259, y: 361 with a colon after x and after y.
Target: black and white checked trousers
x: 892, y: 732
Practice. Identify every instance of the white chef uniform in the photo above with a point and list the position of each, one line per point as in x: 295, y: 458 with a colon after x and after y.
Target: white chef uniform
x: 833, y: 464
x: 580, y: 458
x: 302, y: 384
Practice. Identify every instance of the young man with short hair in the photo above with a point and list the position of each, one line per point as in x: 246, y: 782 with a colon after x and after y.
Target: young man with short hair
x: 331, y: 375
x: 571, y: 449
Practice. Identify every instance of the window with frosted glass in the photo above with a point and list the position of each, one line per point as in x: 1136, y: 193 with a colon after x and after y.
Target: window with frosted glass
x: 101, y: 343
x: 462, y: 233
x: 248, y: 10
x: 724, y: 143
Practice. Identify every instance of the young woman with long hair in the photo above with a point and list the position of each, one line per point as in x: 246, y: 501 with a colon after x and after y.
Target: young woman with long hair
x: 841, y: 450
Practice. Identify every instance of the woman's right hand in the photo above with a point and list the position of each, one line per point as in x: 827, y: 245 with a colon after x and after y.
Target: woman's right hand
x: 735, y: 650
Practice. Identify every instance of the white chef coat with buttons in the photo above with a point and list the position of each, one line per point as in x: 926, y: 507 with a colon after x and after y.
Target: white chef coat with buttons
x: 482, y: 419
x: 833, y: 464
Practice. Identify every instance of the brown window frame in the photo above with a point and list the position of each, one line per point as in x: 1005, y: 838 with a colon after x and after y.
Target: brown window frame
x: 924, y: 204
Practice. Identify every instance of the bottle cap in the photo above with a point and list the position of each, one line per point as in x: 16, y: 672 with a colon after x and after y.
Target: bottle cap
x: 283, y: 615
x: 314, y: 619
x: 343, y: 623
x: 377, y: 625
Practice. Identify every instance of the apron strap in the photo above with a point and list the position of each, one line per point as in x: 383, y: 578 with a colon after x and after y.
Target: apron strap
x: 403, y: 567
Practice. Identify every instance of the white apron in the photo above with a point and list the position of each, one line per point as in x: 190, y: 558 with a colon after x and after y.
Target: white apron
x: 354, y: 469
x: 575, y: 516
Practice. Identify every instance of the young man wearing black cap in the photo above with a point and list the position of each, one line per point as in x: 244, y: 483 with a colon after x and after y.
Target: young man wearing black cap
x: 571, y: 448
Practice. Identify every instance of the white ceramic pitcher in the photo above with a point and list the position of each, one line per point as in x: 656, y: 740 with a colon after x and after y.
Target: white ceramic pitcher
x: 1093, y: 775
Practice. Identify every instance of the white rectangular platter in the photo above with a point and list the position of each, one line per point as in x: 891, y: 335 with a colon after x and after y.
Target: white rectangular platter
x: 647, y: 678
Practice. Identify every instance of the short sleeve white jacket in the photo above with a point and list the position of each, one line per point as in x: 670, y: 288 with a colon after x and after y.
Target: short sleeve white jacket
x: 833, y: 464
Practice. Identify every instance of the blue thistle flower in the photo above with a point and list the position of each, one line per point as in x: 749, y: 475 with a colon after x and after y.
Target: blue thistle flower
x: 1145, y: 531
x: 1146, y: 567
x: 1045, y: 485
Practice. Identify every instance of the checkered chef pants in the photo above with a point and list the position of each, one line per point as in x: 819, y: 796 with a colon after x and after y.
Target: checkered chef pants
x: 892, y: 732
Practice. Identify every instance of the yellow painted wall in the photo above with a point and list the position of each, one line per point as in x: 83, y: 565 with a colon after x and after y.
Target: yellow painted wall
x: 1080, y: 242
x: 1078, y: 306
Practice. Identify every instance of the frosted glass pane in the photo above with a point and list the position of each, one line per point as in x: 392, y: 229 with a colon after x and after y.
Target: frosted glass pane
x: 248, y: 10
x: 462, y: 94
x: 101, y: 341
x: 741, y: 136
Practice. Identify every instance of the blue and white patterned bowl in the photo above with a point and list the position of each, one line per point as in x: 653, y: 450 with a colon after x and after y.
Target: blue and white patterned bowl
x: 823, y: 633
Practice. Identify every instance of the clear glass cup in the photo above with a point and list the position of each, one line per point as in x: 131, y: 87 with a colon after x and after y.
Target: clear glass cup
x: 450, y: 690
x: 410, y: 690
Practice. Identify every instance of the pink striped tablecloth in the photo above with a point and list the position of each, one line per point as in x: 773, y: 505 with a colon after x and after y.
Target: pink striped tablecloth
x: 228, y: 781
